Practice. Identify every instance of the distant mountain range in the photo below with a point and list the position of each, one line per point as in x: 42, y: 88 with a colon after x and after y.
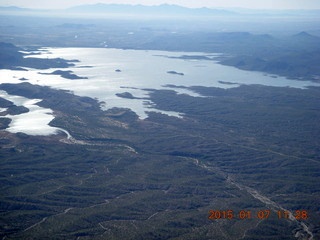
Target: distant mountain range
x: 164, y: 9
x: 159, y: 10
x: 13, y: 9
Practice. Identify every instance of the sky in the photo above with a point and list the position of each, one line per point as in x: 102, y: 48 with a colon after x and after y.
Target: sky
x: 253, y: 4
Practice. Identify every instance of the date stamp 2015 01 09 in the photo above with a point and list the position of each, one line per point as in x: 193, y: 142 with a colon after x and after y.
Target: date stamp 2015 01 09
x: 260, y: 214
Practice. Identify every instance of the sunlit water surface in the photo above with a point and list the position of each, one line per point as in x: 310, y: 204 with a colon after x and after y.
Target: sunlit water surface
x: 33, y: 122
x: 138, y: 70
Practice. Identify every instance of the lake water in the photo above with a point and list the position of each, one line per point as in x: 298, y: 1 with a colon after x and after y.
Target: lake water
x: 33, y: 122
x: 139, y: 70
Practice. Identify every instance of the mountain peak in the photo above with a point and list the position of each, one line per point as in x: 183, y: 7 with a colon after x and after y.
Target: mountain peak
x: 304, y: 34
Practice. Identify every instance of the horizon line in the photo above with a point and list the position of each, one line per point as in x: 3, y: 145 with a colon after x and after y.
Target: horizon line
x: 165, y: 4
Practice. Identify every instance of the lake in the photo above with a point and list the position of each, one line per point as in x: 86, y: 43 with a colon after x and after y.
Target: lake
x: 114, y: 71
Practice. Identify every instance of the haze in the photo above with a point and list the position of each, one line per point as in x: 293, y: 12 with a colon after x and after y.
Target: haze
x: 270, y: 4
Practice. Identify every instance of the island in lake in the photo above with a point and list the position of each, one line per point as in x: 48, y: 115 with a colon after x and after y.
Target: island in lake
x: 65, y: 74
x: 125, y: 95
x: 176, y: 73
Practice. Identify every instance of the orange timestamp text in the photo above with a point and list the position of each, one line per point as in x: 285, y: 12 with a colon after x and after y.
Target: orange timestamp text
x: 260, y: 214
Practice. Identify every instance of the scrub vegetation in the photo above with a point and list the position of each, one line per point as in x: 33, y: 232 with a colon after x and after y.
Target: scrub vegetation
x: 246, y: 149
